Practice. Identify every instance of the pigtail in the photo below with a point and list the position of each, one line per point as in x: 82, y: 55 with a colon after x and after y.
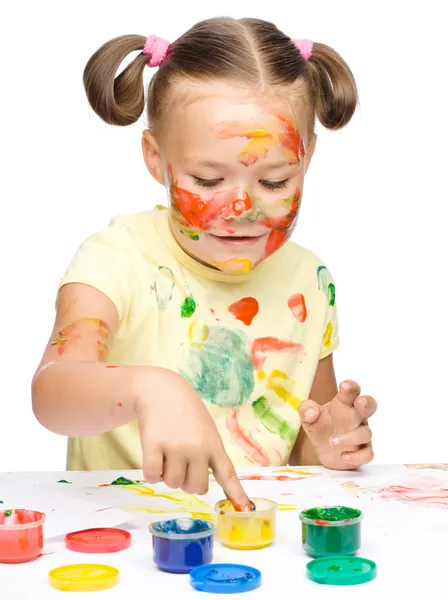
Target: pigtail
x: 334, y: 87
x: 117, y: 100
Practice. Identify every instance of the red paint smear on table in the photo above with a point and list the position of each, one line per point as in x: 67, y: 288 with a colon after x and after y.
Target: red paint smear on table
x: 254, y: 451
x: 261, y: 347
x: 101, y: 509
x: 419, y: 490
x: 245, y: 310
x: 298, y: 307
x: 270, y: 478
x: 112, y: 367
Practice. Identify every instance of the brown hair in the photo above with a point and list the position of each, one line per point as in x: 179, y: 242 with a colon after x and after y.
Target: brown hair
x: 249, y: 51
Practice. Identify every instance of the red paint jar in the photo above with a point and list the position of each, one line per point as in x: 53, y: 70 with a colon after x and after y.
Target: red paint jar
x: 21, y: 535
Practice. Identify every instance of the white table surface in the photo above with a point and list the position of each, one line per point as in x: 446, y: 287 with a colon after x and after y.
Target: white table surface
x: 407, y: 540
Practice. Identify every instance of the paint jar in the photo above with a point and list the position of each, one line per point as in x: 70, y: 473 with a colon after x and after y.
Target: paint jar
x: 21, y: 535
x: 247, y: 530
x: 331, y: 531
x: 179, y: 545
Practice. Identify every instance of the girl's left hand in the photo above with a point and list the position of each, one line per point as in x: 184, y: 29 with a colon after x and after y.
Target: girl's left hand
x: 338, y: 430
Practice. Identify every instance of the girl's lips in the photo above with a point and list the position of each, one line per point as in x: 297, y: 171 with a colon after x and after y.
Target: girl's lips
x: 235, y: 240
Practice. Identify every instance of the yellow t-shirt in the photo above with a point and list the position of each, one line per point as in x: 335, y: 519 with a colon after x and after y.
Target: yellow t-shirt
x: 249, y: 344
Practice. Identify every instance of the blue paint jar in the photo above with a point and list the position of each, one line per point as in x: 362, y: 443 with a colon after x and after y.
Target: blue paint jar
x: 179, y: 545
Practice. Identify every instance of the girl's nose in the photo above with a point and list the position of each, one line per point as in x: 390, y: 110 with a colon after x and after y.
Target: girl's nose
x: 242, y: 207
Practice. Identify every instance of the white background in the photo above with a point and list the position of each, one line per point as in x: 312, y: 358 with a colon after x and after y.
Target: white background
x: 374, y: 201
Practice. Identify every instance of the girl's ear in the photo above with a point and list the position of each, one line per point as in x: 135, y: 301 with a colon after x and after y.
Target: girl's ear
x: 310, y: 152
x: 151, y: 154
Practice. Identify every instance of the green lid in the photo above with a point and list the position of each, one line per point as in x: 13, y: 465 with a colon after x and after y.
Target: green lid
x: 341, y: 570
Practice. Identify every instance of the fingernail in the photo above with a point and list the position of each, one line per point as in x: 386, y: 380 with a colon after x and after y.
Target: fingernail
x: 363, y: 402
x: 346, y: 387
x: 335, y: 441
x: 309, y: 414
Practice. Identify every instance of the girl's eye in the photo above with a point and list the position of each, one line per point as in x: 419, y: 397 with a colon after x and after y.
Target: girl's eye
x: 206, y: 182
x: 274, y: 185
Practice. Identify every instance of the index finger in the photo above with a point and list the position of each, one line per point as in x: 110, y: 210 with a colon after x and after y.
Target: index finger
x: 226, y: 476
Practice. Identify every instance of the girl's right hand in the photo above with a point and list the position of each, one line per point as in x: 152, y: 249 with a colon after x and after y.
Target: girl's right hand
x: 179, y: 438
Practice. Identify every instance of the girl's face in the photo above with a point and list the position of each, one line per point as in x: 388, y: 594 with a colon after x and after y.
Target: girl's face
x: 234, y: 172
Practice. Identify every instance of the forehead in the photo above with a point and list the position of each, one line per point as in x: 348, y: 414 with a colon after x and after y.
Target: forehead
x: 207, y: 114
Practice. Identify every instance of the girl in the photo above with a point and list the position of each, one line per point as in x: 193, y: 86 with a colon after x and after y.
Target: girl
x: 192, y: 337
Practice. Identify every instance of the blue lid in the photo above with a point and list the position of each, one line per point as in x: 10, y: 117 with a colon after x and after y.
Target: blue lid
x: 225, y: 578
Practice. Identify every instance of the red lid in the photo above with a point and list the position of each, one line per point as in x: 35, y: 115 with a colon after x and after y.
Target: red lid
x: 101, y: 540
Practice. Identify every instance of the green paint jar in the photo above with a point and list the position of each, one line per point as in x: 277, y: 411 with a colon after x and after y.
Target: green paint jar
x: 331, y: 531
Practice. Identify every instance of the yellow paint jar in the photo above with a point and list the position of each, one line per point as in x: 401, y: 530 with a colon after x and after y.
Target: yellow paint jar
x: 246, y: 530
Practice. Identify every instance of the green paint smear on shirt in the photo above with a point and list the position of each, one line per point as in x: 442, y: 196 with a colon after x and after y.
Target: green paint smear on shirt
x: 7, y: 513
x: 1, y: 501
x: 124, y: 481
x: 334, y: 513
x: 273, y: 421
x: 188, y: 307
x: 64, y: 481
x: 331, y: 294
x: 221, y: 369
x: 163, y: 286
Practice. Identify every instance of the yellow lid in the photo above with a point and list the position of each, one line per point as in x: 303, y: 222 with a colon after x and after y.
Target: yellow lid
x: 83, y: 578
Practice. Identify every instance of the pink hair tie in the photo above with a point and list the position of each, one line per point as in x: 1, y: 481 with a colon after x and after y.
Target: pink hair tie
x: 305, y: 47
x: 157, y: 49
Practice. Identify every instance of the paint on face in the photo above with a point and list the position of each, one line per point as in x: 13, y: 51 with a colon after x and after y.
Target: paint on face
x: 283, y: 226
x: 193, y: 235
x: 245, y: 310
x: 327, y: 335
x: 263, y: 347
x: 322, y: 278
x: 163, y: 286
x: 237, y: 266
x: 282, y: 385
x: 331, y: 294
x: 253, y: 450
x: 221, y: 370
x: 272, y: 421
x: 204, y: 212
x: 297, y: 306
x: 83, y: 329
x: 188, y: 307
x: 262, y: 141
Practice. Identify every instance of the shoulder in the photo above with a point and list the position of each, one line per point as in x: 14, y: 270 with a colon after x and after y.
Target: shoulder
x: 301, y: 262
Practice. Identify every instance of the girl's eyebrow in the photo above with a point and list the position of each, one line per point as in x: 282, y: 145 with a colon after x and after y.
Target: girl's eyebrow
x: 213, y: 164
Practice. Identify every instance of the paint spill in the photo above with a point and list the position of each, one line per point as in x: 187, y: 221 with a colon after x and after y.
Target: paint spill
x: 124, y: 481
x: 254, y: 451
x: 297, y: 306
x: 262, y: 347
x: 188, y: 307
x: 197, y: 334
x: 322, y: 278
x: 220, y: 369
x: 84, y: 328
x: 432, y: 466
x: 163, y: 286
x: 273, y: 422
x: 419, y: 490
x: 327, y: 335
x: 282, y: 385
x: 64, y: 481
x: 245, y: 310
x: 331, y: 294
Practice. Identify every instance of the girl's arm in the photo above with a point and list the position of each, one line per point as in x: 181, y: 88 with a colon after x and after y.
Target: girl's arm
x: 323, y: 390
x: 76, y: 393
